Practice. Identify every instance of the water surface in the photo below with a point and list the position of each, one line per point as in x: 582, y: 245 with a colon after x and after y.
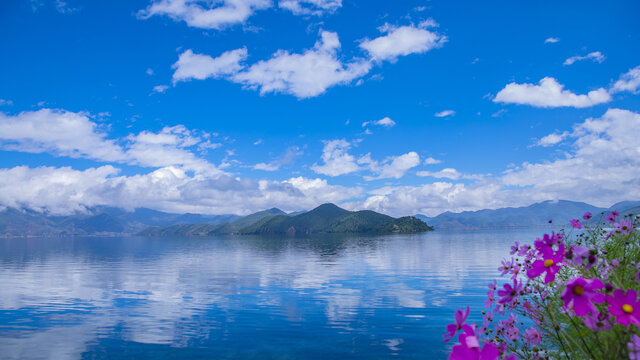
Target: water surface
x: 343, y: 297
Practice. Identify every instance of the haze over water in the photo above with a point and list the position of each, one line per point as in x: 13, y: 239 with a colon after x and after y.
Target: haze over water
x: 243, y: 297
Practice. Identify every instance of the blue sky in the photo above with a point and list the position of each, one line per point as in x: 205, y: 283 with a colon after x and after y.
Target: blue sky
x: 234, y: 106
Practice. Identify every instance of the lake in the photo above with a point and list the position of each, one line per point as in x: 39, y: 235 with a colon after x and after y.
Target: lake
x: 325, y: 297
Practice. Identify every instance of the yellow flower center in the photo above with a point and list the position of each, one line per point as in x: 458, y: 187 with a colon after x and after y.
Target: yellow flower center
x: 578, y: 290
x: 548, y: 263
x: 628, y: 309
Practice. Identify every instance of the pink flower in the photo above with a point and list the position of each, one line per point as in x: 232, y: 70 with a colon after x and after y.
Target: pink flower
x: 611, y: 218
x: 532, y: 336
x: 597, y: 322
x: 506, y: 266
x: 469, y: 348
x: 587, y: 216
x: 624, y: 227
x: 550, y: 263
x: 548, y: 240
x: 510, y: 292
x: 625, y: 307
x: 634, y: 347
x: 580, y: 294
x: 452, y: 329
x: 514, y: 248
x: 575, y: 223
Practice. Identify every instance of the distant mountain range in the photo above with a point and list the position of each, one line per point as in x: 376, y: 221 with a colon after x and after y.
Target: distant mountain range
x: 100, y: 220
x: 536, y: 215
x: 326, y: 218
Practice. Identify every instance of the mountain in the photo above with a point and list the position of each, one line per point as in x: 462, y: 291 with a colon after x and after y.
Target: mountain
x: 208, y: 229
x: 100, y: 220
x: 536, y: 215
x: 329, y: 218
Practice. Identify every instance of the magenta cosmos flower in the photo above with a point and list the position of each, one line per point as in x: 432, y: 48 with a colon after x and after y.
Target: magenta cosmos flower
x: 611, y: 218
x: 624, y: 227
x: 469, y: 348
x: 452, y: 329
x: 575, y: 223
x: 550, y: 263
x: 587, y: 216
x: 625, y: 307
x: 510, y: 292
x: 580, y: 294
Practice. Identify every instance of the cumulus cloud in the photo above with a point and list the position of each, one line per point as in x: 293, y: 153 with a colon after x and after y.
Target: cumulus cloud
x: 448, y: 173
x: 552, y: 139
x: 385, y: 121
x: 287, y: 158
x: 548, y: 93
x: 336, y: 159
x: 431, y: 161
x: 66, y: 133
x: 197, y: 66
x: 64, y: 190
x: 596, y: 56
x: 445, y: 113
x: 602, y: 168
x: 60, y: 132
x: 160, y: 88
x: 303, y: 75
x: 310, y: 7
x: 205, y: 14
x: 403, y: 40
x: 629, y: 81
x: 551, y: 40
x: 393, y: 167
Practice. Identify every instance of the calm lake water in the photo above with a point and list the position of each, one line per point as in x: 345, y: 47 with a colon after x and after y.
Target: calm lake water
x: 329, y: 297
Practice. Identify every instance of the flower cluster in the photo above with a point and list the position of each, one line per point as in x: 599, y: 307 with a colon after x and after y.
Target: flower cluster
x: 570, y: 295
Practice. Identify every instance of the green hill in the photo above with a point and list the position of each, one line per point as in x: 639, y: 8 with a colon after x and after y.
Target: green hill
x: 329, y: 218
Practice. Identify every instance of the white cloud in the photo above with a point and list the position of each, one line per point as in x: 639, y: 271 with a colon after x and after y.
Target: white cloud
x: 629, y: 81
x: 385, y: 121
x: 602, y: 168
x: 310, y: 7
x: 336, y: 158
x: 596, y: 56
x: 65, y: 133
x: 552, y: 139
x: 448, y: 173
x: 445, y: 113
x: 303, y: 75
x: 62, y: 133
x: 403, y: 40
x: 197, y: 66
x: 64, y: 190
x: 149, y: 71
x: 549, y: 93
x: 551, y: 40
x: 160, y: 88
x: 5, y: 102
x: 393, y: 167
x: 63, y: 8
x: 266, y: 167
x: 206, y: 14
x: 431, y: 161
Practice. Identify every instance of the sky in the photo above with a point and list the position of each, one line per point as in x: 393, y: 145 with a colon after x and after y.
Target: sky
x: 234, y: 106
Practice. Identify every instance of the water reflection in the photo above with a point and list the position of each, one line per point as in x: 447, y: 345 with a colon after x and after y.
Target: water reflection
x: 242, y: 297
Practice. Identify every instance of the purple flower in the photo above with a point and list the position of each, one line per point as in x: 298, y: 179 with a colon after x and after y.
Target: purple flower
x: 597, y: 322
x: 547, y: 240
x: 469, y: 348
x: 587, y: 216
x: 611, y: 218
x: 506, y: 266
x: 624, y: 227
x: 625, y: 307
x: 452, y: 329
x: 634, y: 347
x: 514, y: 248
x: 550, y: 263
x: 510, y: 292
x: 532, y: 336
x: 580, y: 294
x: 575, y: 223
